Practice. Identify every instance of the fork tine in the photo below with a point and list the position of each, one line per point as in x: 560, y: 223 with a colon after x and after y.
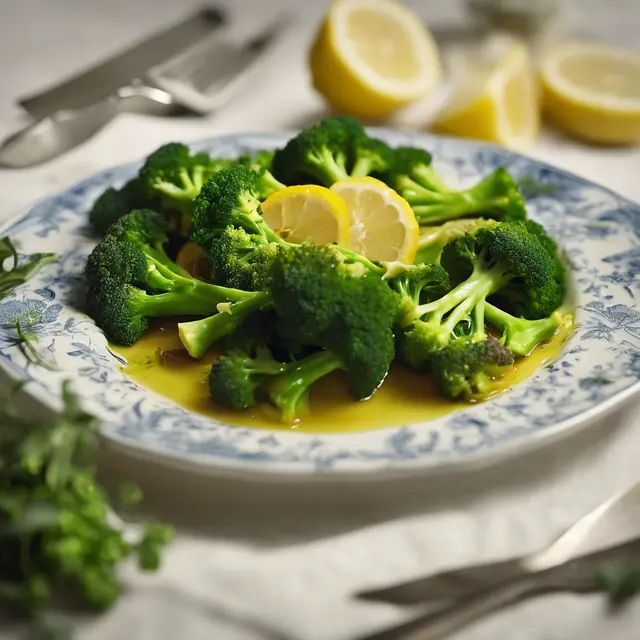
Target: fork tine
x: 208, y: 74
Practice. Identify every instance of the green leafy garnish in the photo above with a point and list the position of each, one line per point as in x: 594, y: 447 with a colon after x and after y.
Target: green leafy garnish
x: 621, y: 581
x: 27, y: 339
x: 18, y: 273
x: 58, y: 534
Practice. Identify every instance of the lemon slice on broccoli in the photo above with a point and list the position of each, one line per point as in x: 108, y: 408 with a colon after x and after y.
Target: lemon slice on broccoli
x: 382, y: 224
x: 308, y: 213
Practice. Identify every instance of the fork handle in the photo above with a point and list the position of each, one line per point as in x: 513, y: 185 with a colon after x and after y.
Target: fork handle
x: 445, y: 621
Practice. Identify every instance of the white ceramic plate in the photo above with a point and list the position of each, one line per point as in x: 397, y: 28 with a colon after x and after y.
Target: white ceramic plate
x: 599, y: 367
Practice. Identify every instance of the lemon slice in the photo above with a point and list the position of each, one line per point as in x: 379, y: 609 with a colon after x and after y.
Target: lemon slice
x: 371, y: 57
x: 308, y: 213
x: 498, y: 100
x: 593, y: 91
x: 382, y: 224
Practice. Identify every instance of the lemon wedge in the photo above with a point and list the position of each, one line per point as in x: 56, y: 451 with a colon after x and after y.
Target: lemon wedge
x: 308, y: 213
x: 371, y: 57
x: 593, y: 91
x: 498, y: 100
x: 382, y: 225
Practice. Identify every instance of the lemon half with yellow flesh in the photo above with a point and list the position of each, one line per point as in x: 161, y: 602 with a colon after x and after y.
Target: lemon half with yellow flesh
x: 593, y: 91
x: 371, y: 57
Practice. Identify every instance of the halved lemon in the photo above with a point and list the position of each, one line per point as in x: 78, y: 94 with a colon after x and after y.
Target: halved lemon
x: 593, y: 91
x: 308, y: 213
x: 371, y: 57
x: 498, y: 99
x: 382, y: 224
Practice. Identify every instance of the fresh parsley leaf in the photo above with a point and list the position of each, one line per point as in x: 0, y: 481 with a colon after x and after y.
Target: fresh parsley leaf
x: 18, y: 273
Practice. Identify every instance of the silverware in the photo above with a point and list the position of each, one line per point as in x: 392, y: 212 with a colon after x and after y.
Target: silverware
x: 577, y: 576
x: 615, y: 522
x: 203, y: 77
x: 108, y: 77
x: 610, y: 532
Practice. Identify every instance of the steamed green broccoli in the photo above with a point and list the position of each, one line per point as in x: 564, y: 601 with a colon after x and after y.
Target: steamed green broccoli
x: 113, y: 203
x: 230, y: 199
x: 130, y: 281
x: 332, y: 150
x: 175, y: 176
x: 323, y: 301
x: 479, y: 266
x: 433, y: 240
x: 198, y: 336
x: 466, y: 368
x: 412, y: 175
x: 241, y: 260
x: 521, y: 335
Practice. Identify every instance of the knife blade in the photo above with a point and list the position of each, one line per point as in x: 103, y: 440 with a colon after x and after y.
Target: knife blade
x: 615, y: 522
x: 107, y: 77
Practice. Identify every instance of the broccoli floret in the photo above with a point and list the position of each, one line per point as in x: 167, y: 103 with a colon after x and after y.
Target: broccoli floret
x: 112, y: 204
x: 130, y: 281
x: 414, y: 178
x: 237, y: 374
x: 148, y: 230
x: 174, y: 175
x: 419, y: 284
x: 229, y: 199
x: 480, y: 265
x: 521, y: 335
x: 259, y: 160
x: 433, y: 240
x: 198, y: 336
x: 320, y: 153
x: 323, y: 301
x: 371, y: 157
x: 241, y: 260
x: 464, y: 368
x: 290, y: 390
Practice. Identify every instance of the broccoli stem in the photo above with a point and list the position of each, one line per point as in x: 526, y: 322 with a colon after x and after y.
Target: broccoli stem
x: 427, y: 177
x: 199, y: 336
x: 172, y: 303
x: 167, y: 280
x: 290, y: 390
x: 434, y: 206
x: 362, y: 167
x: 268, y: 184
x: 521, y: 335
x: 330, y: 169
x: 354, y: 257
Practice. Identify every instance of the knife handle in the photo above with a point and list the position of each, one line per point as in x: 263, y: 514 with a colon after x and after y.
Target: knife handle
x: 62, y: 131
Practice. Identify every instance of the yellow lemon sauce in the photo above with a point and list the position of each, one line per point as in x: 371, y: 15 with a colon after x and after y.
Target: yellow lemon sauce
x: 159, y: 363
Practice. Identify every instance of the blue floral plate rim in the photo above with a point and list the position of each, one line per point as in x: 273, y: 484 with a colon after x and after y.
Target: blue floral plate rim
x: 148, y: 425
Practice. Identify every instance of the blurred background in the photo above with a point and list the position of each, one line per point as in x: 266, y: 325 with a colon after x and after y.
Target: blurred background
x: 43, y: 42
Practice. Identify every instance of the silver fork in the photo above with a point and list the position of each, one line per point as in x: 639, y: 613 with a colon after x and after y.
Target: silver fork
x: 205, y: 76
x: 609, y: 532
x: 199, y: 80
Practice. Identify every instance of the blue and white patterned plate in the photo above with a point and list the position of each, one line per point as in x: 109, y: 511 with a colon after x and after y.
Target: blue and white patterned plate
x: 599, y: 367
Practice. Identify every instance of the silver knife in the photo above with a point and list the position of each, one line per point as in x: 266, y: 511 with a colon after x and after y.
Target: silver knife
x: 614, y: 523
x: 106, y: 78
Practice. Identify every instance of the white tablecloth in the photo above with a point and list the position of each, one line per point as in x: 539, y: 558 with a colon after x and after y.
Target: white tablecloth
x: 279, y: 562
